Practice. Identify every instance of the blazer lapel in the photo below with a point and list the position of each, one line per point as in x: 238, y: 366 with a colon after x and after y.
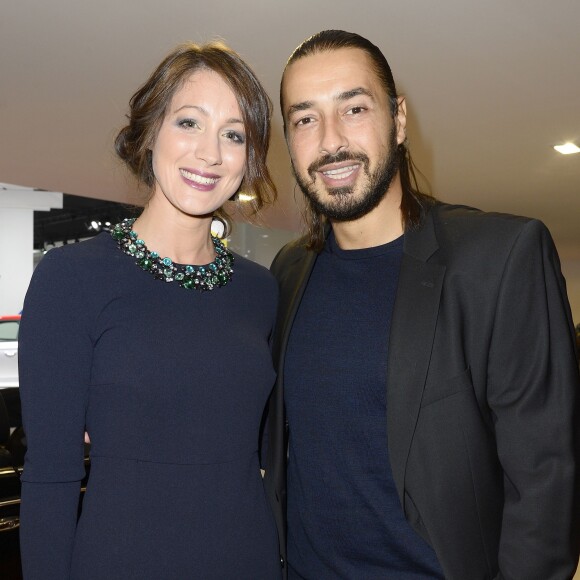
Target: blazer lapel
x: 292, y: 290
x: 410, y: 342
x: 292, y: 273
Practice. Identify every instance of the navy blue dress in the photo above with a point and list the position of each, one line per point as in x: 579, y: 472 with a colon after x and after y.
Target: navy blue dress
x: 171, y: 385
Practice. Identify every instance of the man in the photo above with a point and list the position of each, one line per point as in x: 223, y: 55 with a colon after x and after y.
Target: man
x: 425, y: 356
x: 578, y: 342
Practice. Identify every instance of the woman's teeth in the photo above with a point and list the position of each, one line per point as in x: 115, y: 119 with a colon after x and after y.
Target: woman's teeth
x: 198, y: 178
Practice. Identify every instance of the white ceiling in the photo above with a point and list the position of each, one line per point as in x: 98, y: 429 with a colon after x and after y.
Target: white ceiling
x: 491, y: 87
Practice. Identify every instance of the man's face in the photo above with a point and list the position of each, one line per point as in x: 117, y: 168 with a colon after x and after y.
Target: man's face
x: 340, y: 132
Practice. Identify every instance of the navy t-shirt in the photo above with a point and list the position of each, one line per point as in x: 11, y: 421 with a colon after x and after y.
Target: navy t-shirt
x: 344, y: 516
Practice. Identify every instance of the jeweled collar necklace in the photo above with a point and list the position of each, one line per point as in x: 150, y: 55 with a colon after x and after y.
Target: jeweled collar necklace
x: 207, y: 277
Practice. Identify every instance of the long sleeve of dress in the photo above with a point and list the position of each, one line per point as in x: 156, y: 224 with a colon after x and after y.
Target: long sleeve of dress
x: 55, y: 353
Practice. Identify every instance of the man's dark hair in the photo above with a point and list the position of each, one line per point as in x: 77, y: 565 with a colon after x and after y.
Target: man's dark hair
x: 413, y: 201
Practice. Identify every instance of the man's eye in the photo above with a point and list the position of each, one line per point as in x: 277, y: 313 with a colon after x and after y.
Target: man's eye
x: 304, y: 121
x: 355, y: 110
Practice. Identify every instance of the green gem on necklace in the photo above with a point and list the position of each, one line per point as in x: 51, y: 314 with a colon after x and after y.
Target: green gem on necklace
x: 207, y: 277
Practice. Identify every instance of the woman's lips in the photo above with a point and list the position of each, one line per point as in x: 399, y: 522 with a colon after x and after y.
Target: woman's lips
x: 204, y: 181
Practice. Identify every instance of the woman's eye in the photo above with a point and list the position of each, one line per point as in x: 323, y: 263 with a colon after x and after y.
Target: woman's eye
x: 188, y: 124
x: 235, y: 137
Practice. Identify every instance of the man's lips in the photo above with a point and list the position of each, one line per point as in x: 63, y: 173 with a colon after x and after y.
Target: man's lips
x: 339, y: 172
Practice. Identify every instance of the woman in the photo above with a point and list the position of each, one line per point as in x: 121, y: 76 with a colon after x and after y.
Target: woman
x: 153, y: 340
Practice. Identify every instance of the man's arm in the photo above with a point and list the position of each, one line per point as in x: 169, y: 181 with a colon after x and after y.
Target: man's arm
x: 533, y: 392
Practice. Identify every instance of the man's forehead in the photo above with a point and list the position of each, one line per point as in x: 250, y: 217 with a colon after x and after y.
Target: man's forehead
x: 331, y: 72
x: 326, y: 61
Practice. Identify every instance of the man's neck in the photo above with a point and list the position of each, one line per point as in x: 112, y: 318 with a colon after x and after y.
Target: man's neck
x: 380, y: 226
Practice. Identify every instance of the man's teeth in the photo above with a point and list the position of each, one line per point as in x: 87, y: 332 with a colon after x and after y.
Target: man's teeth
x: 341, y: 173
x: 198, y: 178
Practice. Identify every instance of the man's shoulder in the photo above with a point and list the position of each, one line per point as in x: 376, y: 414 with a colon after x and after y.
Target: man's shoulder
x: 293, y: 252
x: 464, y: 216
x: 468, y: 233
x: 453, y: 222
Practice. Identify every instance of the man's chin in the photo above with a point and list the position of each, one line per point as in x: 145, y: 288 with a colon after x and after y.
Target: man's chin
x: 340, y: 191
x: 336, y: 209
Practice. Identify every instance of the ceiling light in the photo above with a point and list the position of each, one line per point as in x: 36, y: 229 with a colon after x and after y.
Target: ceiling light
x: 567, y: 148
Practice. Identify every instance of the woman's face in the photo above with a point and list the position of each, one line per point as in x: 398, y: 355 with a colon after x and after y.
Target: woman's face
x: 199, y: 155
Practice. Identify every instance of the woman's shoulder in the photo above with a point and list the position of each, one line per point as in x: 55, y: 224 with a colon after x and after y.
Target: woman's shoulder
x: 251, y: 268
x: 254, y: 274
x: 81, y: 250
x: 91, y: 264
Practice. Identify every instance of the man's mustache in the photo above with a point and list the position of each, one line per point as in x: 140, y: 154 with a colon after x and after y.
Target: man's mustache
x: 336, y: 158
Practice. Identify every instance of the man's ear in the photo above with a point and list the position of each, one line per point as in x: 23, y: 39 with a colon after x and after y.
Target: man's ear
x: 401, y: 120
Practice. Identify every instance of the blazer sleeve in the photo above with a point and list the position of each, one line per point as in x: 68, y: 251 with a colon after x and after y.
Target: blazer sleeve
x: 55, y: 353
x: 533, y: 393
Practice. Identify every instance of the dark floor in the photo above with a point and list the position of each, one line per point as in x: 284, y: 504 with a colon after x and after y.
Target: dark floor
x: 10, y: 556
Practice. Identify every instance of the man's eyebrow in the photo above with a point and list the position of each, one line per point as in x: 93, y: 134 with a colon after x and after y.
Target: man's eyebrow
x: 299, y: 107
x: 346, y: 95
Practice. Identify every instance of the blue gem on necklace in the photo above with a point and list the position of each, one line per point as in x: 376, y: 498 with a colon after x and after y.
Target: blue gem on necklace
x: 207, y: 277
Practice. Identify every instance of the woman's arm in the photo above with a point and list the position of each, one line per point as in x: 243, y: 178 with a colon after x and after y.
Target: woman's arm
x: 55, y: 353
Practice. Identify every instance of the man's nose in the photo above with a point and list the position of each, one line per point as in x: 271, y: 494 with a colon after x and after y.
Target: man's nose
x: 333, y: 138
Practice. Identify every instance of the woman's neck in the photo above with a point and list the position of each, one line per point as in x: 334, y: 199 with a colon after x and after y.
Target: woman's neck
x: 183, y: 238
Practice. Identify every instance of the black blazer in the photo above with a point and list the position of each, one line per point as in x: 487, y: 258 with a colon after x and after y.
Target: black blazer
x: 483, y: 391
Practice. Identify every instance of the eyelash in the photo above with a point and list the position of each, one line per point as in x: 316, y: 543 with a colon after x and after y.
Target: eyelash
x: 187, y: 123
x: 302, y: 121
x: 235, y: 137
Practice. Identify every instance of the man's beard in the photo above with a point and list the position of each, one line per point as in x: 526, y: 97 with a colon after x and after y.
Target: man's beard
x: 343, y: 205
